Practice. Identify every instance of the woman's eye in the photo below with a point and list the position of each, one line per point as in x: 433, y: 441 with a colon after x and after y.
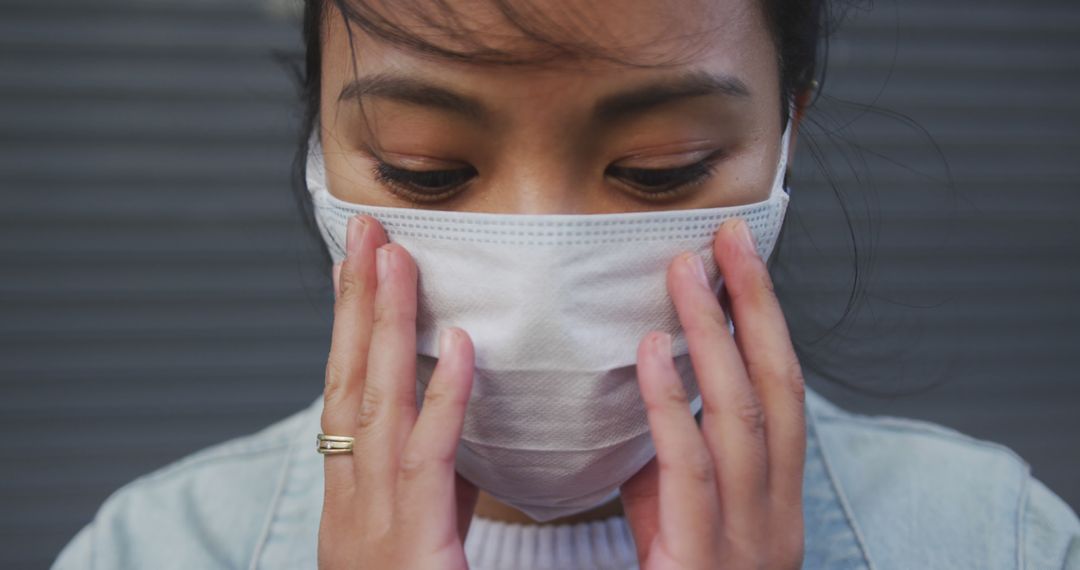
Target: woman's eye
x: 662, y: 182
x: 434, y: 185
x: 422, y: 185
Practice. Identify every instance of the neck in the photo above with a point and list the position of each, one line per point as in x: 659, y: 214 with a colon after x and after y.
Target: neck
x: 490, y: 508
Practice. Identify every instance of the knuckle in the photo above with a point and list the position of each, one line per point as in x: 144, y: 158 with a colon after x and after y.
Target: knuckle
x: 763, y: 284
x: 716, y: 318
x: 707, y: 322
x: 752, y: 415
x: 350, y: 284
x: 785, y: 373
x: 756, y: 286
x: 699, y: 467
x: 382, y: 315
x: 370, y: 406
x: 335, y: 381
x: 412, y: 465
x: 667, y: 466
x: 436, y: 396
x: 388, y: 313
x: 710, y: 408
x: 673, y: 396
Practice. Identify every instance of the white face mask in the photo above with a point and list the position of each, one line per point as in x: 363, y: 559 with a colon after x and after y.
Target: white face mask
x: 556, y: 306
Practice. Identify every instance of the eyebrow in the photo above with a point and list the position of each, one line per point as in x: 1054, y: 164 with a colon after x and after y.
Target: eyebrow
x: 608, y: 109
x: 686, y: 85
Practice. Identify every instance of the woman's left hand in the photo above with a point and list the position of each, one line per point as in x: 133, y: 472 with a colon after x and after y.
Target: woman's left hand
x: 727, y: 495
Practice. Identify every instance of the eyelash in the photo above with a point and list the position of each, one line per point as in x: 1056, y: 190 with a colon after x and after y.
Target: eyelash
x: 411, y: 182
x: 679, y: 179
x: 435, y: 185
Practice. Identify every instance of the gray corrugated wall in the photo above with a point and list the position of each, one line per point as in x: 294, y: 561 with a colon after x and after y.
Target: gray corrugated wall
x: 158, y: 294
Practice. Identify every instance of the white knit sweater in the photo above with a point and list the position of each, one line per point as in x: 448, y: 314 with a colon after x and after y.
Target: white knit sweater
x: 594, y: 545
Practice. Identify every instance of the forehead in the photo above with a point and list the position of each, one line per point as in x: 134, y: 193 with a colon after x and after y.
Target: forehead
x: 553, y: 38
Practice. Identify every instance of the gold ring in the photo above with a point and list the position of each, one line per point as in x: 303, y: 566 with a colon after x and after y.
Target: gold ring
x: 333, y: 444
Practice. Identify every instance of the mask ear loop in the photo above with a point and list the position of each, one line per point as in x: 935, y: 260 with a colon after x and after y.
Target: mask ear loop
x: 780, y: 177
x: 784, y: 166
x: 315, y: 169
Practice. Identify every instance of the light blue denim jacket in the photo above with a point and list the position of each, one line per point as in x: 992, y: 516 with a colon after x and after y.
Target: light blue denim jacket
x: 879, y: 492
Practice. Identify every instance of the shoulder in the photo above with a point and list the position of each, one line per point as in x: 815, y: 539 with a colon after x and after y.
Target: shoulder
x: 927, y: 496
x: 205, y: 510
x: 1051, y: 530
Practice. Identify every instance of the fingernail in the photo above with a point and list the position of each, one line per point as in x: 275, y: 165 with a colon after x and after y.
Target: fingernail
x: 662, y: 342
x: 353, y: 235
x: 697, y: 267
x: 746, y: 239
x: 444, y: 342
x: 382, y: 263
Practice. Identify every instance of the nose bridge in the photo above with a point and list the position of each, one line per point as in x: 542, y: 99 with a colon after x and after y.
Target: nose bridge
x: 542, y: 178
x: 544, y: 157
x: 530, y: 195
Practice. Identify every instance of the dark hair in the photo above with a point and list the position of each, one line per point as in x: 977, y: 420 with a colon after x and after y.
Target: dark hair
x: 800, y: 30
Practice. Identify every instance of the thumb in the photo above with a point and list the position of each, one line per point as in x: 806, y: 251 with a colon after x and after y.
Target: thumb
x: 641, y: 502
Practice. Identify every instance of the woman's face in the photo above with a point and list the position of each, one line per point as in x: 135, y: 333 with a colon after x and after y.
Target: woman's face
x: 573, y: 138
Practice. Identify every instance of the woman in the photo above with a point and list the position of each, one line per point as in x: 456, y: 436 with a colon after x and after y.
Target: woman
x: 530, y: 212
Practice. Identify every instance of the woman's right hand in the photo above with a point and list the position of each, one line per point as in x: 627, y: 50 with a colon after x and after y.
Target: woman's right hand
x: 396, y: 501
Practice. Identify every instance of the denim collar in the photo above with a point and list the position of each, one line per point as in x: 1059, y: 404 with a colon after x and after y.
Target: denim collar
x: 290, y: 535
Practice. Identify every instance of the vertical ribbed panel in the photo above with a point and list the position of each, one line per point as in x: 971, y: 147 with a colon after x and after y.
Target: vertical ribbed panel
x: 974, y: 285
x: 158, y: 294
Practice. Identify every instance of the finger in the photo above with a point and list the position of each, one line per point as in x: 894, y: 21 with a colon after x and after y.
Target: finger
x: 427, y: 461
x: 388, y: 411
x: 346, y: 362
x: 689, y: 503
x: 731, y: 418
x: 764, y: 341
x: 640, y: 499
